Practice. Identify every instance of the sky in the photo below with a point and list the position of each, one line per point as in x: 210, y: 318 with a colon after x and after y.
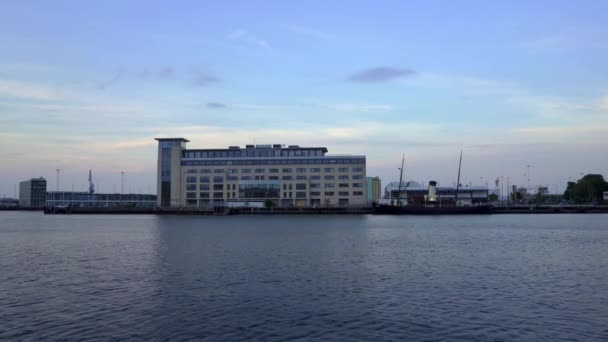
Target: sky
x: 89, y: 85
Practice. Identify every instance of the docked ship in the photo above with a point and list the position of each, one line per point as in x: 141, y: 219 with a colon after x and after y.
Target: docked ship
x: 412, y: 198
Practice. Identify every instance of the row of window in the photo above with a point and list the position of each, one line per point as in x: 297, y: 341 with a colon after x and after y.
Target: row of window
x: 360, y: 160
x: 220, y: 179
x: 244, y: 194
x: 254, y: 153
x: 299, y: 186
x: 284, y: 170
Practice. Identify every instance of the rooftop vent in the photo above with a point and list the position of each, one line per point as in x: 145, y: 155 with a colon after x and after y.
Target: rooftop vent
x: 233, y: 147
x: 263, y: 146
x: 276, y: 146
x: 249, y: 146
x: 294, y: 146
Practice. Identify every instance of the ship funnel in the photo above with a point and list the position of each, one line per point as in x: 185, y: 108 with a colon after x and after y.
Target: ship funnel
x: 432, y: 196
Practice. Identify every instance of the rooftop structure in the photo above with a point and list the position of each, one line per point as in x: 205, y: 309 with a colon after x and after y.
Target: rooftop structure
x: 32, y: 193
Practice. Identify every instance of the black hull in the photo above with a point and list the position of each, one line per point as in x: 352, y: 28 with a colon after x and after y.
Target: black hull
x: 409, y: 210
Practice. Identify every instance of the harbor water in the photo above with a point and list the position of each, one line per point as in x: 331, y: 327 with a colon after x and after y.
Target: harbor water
x: 279, y: 278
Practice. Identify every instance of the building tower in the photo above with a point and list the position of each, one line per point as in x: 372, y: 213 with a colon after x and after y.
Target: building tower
x: 168, y: 186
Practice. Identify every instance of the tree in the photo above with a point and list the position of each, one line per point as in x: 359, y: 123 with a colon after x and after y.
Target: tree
x: 587, y: 189
x: 493, y: 198
x: 268, y: 204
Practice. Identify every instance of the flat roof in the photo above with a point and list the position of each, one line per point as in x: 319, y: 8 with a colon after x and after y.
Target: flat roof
x: 324, y: 149
x: 172, y: 139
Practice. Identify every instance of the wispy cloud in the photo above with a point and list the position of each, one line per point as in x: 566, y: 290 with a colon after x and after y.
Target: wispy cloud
x: 202, y: 79
x: 312, y: 32
x: 247, y: 37
x: 380, y: 74
x: 216, y: 105
x: 22, y: 90
x: 118, y: 75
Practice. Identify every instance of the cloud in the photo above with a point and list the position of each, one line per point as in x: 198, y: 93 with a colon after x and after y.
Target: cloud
x: 202, y: 79
x: 380, y: 74
x: 249, y: 38
x: 165, y: 72
x: 311, y: 32
x: 216, y: 105
x: 16, y: 89
x: 359, y: 108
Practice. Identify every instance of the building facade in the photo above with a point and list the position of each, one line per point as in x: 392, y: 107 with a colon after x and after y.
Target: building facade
x: 32, y: 193
x: 374, y: 189
x: 413, y: 193
x: 93, y: 200
x: 258, y: 175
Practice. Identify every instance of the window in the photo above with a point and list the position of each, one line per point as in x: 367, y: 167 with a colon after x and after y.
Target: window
x: 273, y: 177
x: 357, y: 193
x: 328, y: 169
x: 315, y: 193
x: 218, y: 171
x: 357, y: 177
x: 315, y: 177
x: 192, y: 171
x: 315, y: 169
x: 233, y: 178
x: 301, y: 186
x: 273, y: 170
x: 204, y: 195
x: 343, y: 185
x: 205, y: 171
x: 300, y: 194
x: 259, y: 170
x: 259, y: 177
x: 315, y: 185
x: 343, y: 169
x: 286, y: 178
x: 191, y: 187
x: 328, y: 177
x: 191, y: 179
x: 246, y: 171
x: 329, y: 185
x: 287, y: 170
x: 245, y: 177
x: 301, y: 170
x: 343, y: 201
x: 190, y: 194
x: 204, y: 179
x: 218, y: 186
x: 233, y: 170
x: 343, y: 177
x: 218, y: 179
x: 329, y: 193
x: 343, y: 193
x: 218, y: 195
x: 357, y: 169
x: 300, y: 177
x: 204, y: 187
x: 357, y: 185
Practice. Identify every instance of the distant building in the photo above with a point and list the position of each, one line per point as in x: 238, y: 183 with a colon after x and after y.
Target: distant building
x: 93, y: 200
x: 276, y: 175
x: 32, y: 193
x: 415, y: 194
x: 374, y: 189
x: 9, y: 202
x: 605, y: 196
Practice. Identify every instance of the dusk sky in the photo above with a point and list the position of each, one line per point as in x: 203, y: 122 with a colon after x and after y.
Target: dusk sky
x: 89, y: 85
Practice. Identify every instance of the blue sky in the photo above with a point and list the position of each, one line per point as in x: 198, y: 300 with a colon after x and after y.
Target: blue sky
x: 89, y: 85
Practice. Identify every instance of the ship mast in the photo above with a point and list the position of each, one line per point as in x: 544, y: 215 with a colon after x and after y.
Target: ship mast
x: 458, y: 180
x: 400, y: 181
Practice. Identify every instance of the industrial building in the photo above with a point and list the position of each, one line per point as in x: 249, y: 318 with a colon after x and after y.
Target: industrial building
x: 258, y: 175
x: 374, y: 190
x: 7, y: 202
x: 413, y: 193
x: 32, y: 193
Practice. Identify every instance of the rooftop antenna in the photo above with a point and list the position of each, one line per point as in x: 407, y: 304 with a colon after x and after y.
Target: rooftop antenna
x: 122, y: 182
x: 91, y: 185
x: 57, y: 184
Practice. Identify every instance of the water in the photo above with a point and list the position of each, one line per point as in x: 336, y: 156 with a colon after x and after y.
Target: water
x: 470, y: 278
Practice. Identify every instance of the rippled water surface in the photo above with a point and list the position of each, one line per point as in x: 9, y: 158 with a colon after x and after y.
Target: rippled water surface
x: 469, y: 278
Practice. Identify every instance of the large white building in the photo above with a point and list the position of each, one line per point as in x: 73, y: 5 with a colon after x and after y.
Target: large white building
x: 258, y: 175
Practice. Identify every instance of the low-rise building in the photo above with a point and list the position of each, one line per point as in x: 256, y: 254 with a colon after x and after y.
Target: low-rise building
x: 374, y: 189
x: 413, y: 193
x: 32, y: 193
x: 94, y: 200
x: 7, y: 202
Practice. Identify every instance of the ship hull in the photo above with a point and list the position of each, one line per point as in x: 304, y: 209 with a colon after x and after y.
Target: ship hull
x: 411, y: 210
